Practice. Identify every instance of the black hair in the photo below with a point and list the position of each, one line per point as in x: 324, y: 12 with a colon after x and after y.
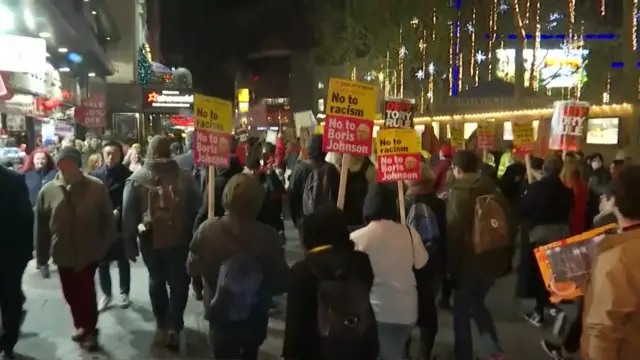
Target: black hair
x: 626, y: 191
x: 597, y: 156
x: 115, y: 144
x: 380, y: 203
x: 325, y: 226
x: 553, y: 165
x: 269, y: 148
x: 467, y: 161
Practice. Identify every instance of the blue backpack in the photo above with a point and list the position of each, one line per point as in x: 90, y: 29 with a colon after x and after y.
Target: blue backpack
x: 238, y: 290
x: 423, y: 220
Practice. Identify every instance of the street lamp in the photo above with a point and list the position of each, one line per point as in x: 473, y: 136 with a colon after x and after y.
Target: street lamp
x: 7, y: 19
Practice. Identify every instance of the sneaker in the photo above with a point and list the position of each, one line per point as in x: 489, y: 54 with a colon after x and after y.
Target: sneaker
x: 173, y: 340
x: 534, y: 318
x: 90, y: 342
x: 104, y: 303
x: 553, y: 311
x: 554, y: 351
x: 78, y: 336
x: 160, y: 338
x: 125, y: 302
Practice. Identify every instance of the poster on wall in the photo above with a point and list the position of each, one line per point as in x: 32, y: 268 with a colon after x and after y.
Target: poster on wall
x: 125, y: 125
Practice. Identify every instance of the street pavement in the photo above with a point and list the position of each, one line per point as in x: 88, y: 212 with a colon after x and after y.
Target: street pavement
x: 127, y: 333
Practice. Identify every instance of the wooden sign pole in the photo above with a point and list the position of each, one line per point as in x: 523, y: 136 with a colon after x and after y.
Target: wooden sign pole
x: 527, y: 163
x: 344, y: 172
x: 211, y: 189
x: 401, y: 202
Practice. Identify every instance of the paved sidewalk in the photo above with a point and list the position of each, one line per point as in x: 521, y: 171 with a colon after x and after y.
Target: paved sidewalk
x: 127, y: 334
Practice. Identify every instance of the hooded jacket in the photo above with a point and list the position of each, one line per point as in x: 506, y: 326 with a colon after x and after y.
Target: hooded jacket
x: 611, y: 318
x: 158, y: 166
x: 462, y: 260
x: 74, y: 223
x: 239, y: 231
x: 302, y: 171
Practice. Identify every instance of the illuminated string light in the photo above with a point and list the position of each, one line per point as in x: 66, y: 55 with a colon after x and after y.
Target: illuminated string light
x: 492, y: 34
x: 473, y: 66
x: 401, y: 54
x: 533, y: 75
x: 603, y: 7
x: 634, y: 30
x: 451, y: 44
x: 421, y: 74
x: 572, y: 15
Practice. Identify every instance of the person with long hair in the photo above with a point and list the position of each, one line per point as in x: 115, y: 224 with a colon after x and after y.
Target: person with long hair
x: 134, y: 158
x: 38, y: 170
x: 572, y: 178
x: 93, y: 162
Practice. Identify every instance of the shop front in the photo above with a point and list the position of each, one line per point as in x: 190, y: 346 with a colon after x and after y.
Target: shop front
x: 168, y: 110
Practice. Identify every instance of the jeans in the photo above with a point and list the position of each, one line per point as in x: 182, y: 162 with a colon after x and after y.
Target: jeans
x: 468, y: 303
x: 104, y: 276
x: 392, y: 338
x: 79, y: 290
x: 167, y: 267
x: 11, y: 301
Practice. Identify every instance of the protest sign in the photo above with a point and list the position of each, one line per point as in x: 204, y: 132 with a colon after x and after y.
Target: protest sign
x: 456, y: 138
x: 398, y: 155
x: 351, y: 108
x: 567, y: 125
x: 565, y: 264
x: 398, y: 113
x: 213, y: 122
x: 523, y: 138
x: 486, y: 135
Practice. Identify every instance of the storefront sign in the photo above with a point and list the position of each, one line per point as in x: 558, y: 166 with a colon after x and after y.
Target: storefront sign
x: 93, y: 112
x: 167, y: 101
x: 23, y: 55
x: 398, y: 155
x: 351, y: 109
x: 212, y: 135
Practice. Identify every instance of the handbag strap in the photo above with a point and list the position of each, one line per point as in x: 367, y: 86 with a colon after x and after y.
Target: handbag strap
x: 413, y: 255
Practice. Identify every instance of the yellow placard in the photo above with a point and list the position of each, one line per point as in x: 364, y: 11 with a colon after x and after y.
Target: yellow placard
x: 351, y: 99
x: 212, y: 114
x: 457, y: 136
x: 396, y: 142
x: 522, y: 133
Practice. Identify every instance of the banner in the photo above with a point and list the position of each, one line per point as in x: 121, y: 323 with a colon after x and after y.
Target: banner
x: 523, y: 138
x: 456, y: 139
x: 485, y: 133
x: 212, y: 134
x: 398, y: 113
x: 398, y: 155
x: 350, y: 110
x: 565, y: 264
x: 567, y: 125
x: 92, y: 112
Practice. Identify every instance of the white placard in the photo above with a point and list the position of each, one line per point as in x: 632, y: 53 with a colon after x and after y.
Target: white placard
x: 22, y: 54
x: 272, y: 136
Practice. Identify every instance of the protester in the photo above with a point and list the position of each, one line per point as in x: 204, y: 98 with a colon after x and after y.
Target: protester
x: 611, y: 328
x: 546, y: 208
x: 92, y: 146
x: 431, y: 223
x: 600, y: 175
x: 160, y: 229
x: 242, y: 263
x: 473, y: 271
x: 176, y: 149
x: 442, y: 167
x: 329, y: 259
x: 572, y: 179
x: 114, y: 176
x: 185, y: 160
x: 74, y: 223
x: 68, y: 141
x: 271, y: 210
x: 301, y: 177
x: 16, y: 249
x: 93, y: 162
x: 133, y: 160
x: 394, y: 294
x: 38, y: 170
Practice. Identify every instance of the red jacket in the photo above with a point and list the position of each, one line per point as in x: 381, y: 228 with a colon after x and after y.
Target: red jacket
x: 580, y: 198
x: 241, y: 153
x: 440, y: 173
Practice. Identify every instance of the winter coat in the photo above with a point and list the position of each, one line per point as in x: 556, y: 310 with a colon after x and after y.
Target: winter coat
x: 611, y: 318
x: 271, y: 210
x: 546, y: 202
x: 440, y: 172
x: 36, y: 180
x: 74, y: 223
x: 16, y: 218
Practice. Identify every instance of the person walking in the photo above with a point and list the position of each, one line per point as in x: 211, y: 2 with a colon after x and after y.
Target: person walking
x: 74, y: 223
x: 16, y: 249
x: 159, y: 207
x: 38, y: 170
x: 114, y: 176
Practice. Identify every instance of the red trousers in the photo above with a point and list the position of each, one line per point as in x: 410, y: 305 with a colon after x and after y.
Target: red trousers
x: 79, y: 290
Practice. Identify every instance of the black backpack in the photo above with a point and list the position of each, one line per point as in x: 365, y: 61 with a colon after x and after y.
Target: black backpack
x: 357, y: 188
x: 346, y: 322
x: 316, y: 191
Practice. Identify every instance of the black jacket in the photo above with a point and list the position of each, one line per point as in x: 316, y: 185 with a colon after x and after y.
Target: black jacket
x: 301, y: 339
x: 16, y: 219
x: 299, y: 177
x: 36, y: 180
x: 546, y: 202
x: 271, y: 211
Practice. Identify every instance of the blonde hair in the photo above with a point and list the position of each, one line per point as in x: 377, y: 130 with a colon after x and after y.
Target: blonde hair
x: 94, y: 162
x: 427, y: 178
x: 570, y: 171
x: 135, y: 148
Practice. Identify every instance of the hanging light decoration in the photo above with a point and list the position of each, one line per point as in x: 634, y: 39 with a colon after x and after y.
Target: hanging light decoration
x: 634, y: 30
x: 421, y: 74
x: 572, y: 17
x: 451, y: 45
x: 402, y: 50
x: 492, y: 34
x: 473, y: 66
x: 536, y: 48
x: 603, y: 7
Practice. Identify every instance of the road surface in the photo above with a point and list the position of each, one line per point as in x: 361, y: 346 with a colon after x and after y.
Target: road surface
x: 127, y: 334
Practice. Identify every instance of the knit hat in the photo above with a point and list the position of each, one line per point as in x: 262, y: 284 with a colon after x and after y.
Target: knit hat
x: 69, y: 153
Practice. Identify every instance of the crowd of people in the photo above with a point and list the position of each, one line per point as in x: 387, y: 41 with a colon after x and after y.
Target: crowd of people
x: 368, y: 278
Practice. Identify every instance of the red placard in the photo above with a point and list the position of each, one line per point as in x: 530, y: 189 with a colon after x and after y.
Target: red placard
x: 567, y: 125
x: 403, y: 167
x: 347, y: 135
x: 211, y: 148
x: 398, y: 113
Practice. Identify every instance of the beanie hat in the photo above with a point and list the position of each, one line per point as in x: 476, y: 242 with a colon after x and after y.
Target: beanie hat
x: 69, y: 153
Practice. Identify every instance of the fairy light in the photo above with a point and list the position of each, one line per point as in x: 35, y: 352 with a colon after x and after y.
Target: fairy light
x: 473, y: 71
x: 572, y: 16
x: 423, y: 50
x: 492, y: 34
x: 433, y: 21
x: 451, y: 42
x: 606, y: 97
x: 386, y: 74
x: 401, y: 53
x: 603, y: 7
x: 634, y: 30
x: 533, y: 77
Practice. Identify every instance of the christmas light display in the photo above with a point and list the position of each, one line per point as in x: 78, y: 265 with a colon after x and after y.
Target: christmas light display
x: 492, y: 34
x: 451, y: 45
x: 634, y: 30
x: 473, y: 66
x: 144, y: 68
x: 402, y: 51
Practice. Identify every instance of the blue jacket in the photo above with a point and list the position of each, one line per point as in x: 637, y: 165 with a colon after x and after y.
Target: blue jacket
x: 36, y: 180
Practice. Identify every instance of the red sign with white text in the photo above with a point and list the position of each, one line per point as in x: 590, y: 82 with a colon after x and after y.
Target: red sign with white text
x: 567, y: 125
x: 93, y: 111
x: 347, y: 135
x: 401, y: 167
x: 211, y: 148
